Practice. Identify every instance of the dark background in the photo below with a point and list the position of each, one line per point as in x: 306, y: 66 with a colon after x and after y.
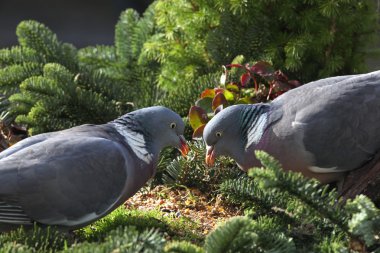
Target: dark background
x: 80, y: 22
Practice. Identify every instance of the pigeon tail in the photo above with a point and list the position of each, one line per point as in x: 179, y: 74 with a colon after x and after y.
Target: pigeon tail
x: 13, y: 214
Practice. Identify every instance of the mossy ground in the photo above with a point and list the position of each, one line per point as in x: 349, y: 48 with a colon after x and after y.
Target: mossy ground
x: 177, y: 213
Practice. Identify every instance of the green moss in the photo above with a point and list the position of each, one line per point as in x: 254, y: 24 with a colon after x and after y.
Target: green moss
x: 179, y: 228
x: 35, y: 239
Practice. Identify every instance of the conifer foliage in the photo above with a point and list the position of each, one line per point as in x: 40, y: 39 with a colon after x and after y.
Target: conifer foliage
x: 306, y: 39
x: 285, y: 211
x: 50, y: 85
x: 307, y: 209
x: 167, y: 56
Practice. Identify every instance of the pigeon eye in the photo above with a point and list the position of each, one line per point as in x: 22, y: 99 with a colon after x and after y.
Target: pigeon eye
x: 218, y: 134
x: 173, y: 125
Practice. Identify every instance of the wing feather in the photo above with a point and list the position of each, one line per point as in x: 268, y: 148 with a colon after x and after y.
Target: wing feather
x: 78, y: 182
x: 339, y: 122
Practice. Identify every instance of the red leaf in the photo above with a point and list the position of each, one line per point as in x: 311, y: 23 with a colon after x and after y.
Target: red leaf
x: 244, y: 79
x: 208, y: 93
x: 198, y: 132
x: 280, y: 76
x: 197, y: 117
x: 294, y: 83
x: 234, y: 66
x: 218, y: 90
x: 280, y: 86
x: 218, y: 100
x: 261, y: 68
x: 218, y: 109
x: 274, y: 95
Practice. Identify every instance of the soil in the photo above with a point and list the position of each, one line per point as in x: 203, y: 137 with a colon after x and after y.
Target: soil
x: 204, y: 211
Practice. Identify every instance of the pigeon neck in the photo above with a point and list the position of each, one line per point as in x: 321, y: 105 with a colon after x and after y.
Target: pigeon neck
x: 247, y: 159
x: 254, y: 121
x: 137, y: 138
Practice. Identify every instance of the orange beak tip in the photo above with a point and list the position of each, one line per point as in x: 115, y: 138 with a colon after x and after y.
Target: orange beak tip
x: 210, y: 157
x: 184, y: 148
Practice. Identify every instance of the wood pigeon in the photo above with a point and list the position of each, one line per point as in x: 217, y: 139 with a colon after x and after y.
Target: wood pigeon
x: 73, y: 177
x: 322, y: 129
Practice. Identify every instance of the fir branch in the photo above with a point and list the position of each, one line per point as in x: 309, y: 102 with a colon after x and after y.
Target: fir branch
x: 125, y: 28
x: 11, y: 76
x: 245, y: 190
x: 240, y: 234
x: 182, y: 247
x: 19, y: 55
x: 193, y: 172
x: 181, y: 100
x: 365, y: 221
x: 309, y: 191
x: 20, y: 103
x: 34, y: 35
x: 97, y: 56
x: 124, y: 239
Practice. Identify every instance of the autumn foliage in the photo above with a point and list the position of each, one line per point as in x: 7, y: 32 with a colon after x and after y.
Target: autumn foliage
x: 239, y: 84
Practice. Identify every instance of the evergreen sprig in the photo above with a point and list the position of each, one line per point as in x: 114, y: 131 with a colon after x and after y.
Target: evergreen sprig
x: 313, y: 214
x: 241, y: 234
x: 182, y: 247
x: 244, y: 190
x: 307, y: 39
x: 126, y: 239
x: 49, y: 85
x: 184, y: 97
x: 38, y: 37
x: 365, y: 220
x: 33, y: 240
x: 54, y: 101
x: 320, y: 198
x: 19, y: 55
x: 193, y: 172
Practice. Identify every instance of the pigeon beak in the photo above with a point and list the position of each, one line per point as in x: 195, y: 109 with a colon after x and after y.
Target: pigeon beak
x: 210, y: 156
x: 183, y: 146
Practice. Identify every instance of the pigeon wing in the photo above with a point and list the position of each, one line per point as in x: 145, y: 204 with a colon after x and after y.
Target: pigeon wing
x: 65, y: 182
x: 24, y: 144
x: 339, y: 122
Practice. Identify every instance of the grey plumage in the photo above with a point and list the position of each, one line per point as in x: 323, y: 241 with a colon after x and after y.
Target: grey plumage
x: 72, y: 177
x: 322, y: 129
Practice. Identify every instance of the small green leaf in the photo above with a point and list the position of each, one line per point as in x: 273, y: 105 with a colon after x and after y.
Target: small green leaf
x: 244, y: 100
x: 232, y: 87
x: 248, y: 92
x: 229, y: 95
x: 205, y: 103
x: 218, y: 100
x: 197, y: 117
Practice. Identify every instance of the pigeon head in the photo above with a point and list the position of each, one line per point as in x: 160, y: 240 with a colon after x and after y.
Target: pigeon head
x: 159, y: 126
x: 221, y: 135
x: 165, y: 126
x: 232, y: 130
